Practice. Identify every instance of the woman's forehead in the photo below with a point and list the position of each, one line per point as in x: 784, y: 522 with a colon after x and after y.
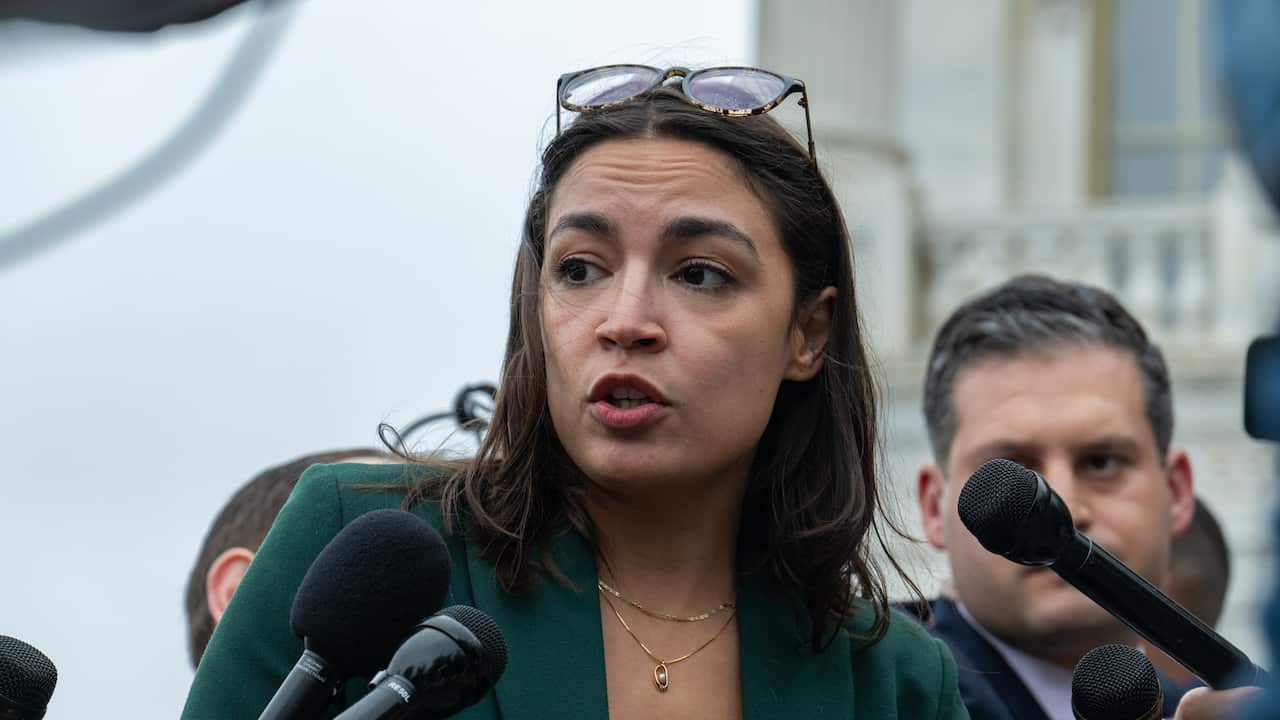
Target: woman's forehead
x: 658, y: 176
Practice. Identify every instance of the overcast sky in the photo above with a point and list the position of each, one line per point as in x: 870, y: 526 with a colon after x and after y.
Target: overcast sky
x: 340, y: 256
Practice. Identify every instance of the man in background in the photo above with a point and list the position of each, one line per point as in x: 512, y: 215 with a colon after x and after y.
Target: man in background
x: 1201, y: 573
x: 1060, y: 378
x: 236, y: 534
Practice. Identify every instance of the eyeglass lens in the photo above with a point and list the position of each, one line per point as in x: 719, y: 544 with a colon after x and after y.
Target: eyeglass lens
x: 735, y: 88
x: 608, y: 85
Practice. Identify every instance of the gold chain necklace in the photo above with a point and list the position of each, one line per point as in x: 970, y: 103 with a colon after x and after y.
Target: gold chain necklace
x: 661, y: 677
x: 606, y: 587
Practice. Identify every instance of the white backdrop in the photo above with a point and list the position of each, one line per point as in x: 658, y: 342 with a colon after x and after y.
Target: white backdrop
x: 340, y: 256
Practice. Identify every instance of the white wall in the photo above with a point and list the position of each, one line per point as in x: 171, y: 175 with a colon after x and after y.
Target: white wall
x: 956, y: 101
x: 339, y: 257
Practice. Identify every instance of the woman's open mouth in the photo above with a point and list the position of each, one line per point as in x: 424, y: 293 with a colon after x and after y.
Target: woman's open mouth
x: 626, y: 402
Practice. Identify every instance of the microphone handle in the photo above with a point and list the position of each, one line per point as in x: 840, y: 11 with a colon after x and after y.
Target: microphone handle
x: 388, y: 700
x: 1154, y: 616
x: 305, y: 692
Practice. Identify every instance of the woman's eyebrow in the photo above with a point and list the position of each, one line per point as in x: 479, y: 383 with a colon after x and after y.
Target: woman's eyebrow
x: 689, y: 227
x: 590, y: 222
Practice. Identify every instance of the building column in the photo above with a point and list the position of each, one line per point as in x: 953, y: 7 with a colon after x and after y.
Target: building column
x: 846, y: 52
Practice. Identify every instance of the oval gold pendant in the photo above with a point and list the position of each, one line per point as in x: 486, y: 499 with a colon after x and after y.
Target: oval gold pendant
x: 660, y: 677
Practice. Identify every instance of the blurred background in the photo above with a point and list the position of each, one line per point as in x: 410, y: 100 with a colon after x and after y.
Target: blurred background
x: 330, y: 247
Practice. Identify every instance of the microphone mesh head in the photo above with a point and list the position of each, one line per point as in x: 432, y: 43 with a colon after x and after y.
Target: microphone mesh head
x: 1115, y: 682
x: 487, y: 632
x: 369, y: 587
x: 995, y: 502
x: 27, y: 676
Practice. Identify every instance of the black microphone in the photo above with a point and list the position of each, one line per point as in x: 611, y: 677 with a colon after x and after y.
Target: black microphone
x: 1116, y: 682
x: 1013, y: 512
x: 363, y: 593
x: 27, y: 679
x: 448, y: 663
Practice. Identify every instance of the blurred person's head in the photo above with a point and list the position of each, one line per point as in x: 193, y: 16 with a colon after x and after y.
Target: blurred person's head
x: 1198, y: 581
x: 236, y: 533
x: 708, y: 256
x: 1201, y: 566
x: 1061, y: 378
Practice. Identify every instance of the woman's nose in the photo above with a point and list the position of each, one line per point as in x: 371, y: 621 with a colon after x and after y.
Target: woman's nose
x: 631, y: 321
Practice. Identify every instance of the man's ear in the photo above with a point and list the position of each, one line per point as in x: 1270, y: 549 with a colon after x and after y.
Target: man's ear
x: 224, y: 577
x: 931, y: 492
x: 809, y: 336
x: 1182, y: 499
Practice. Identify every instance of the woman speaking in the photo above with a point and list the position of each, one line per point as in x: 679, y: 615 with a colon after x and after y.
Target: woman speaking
x: 676, y: 507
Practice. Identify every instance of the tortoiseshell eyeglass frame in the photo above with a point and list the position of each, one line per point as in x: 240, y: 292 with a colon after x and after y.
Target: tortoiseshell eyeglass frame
x: 790, y: 86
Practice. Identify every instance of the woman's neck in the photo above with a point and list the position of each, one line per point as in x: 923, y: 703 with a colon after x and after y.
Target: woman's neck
x: 672, y: 554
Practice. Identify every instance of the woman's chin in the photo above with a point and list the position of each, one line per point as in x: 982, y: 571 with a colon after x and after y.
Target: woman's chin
x: 633, y: 476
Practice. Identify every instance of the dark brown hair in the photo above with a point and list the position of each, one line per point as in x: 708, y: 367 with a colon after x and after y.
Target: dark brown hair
x: 812, y: 497
x: 244, y: 522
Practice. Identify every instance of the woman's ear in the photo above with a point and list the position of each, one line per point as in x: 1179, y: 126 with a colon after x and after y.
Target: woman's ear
x: 809, y: 336
x: 224, y: 577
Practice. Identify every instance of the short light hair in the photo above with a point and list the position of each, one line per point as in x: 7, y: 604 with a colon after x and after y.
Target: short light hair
x: 244, y: 522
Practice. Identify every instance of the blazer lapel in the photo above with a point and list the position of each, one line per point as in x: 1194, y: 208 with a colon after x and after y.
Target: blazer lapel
x: 782, y: 677
x: 988, y: 686
x: 555, y: 647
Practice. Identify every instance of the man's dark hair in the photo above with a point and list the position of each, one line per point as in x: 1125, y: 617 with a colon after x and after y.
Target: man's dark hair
x: 1031, y: 314
x: 243, y: 522
x: 1201, y: 566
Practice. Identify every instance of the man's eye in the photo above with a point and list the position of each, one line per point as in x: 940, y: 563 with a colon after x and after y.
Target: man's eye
x: 1102, y: 463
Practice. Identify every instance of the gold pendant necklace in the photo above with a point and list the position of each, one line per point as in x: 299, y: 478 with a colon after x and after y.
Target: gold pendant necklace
x: 661, y: 674
x: 606, y: 587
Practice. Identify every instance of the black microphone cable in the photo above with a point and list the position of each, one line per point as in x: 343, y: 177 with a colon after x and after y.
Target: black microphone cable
x: 472, y: 409
x: 163, y: 163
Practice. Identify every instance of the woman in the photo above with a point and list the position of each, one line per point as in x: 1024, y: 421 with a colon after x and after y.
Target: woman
x: 673, y: 510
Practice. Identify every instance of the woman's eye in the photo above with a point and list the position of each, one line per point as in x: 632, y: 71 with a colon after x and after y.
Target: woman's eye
x: 577, y: 271
x: 704, y: 276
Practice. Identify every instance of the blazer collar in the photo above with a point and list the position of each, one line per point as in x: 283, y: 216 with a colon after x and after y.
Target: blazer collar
x: 555, y: 651
x: 782, y: 677
x: 555, y: 647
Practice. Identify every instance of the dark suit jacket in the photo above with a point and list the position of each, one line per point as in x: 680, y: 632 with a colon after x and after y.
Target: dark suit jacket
x: 990, y: 689
x: 556, y: 661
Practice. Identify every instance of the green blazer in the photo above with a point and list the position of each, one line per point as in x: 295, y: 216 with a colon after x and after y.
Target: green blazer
x: 556, y: 654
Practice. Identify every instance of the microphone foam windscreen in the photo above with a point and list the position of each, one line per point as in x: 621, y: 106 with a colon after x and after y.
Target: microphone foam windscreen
x: 27, y: 676
x: 995, y: 502
x: 1115, y: 682
x: 369, y: 586
x: 489, y: 635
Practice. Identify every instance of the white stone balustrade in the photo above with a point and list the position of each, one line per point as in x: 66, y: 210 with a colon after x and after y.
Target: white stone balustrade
x: 1158, y: 259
